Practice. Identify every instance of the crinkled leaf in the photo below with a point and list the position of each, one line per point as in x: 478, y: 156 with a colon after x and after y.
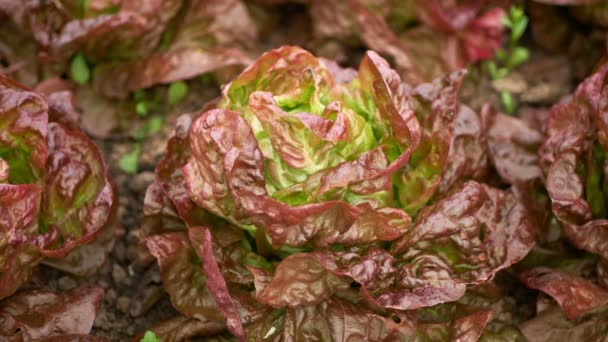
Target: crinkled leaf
x: 19, y: 210
x: 23, y: 129
x: 79, y: 198
x: 552, y: 325
x: 592, y: 236
x: 575, y: 295
x: 41, y: 313
x: 566, y: 153
x: 182, y: 275
x: 118, y: 79
x: 468, y: 156
x: 340, y: 321
x: 382, y: 282
x: 170, y: 176
x: 475, y: 232
x: 436, y: 108
x: 216, y: 283
x: 512, y: 146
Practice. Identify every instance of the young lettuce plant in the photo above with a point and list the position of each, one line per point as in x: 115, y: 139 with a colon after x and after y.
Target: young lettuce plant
x: 315, y: 200
x: 55, y: 191
x: 507, y: 59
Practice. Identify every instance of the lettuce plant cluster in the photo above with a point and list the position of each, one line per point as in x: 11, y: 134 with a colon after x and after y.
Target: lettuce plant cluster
x: 321, y: 203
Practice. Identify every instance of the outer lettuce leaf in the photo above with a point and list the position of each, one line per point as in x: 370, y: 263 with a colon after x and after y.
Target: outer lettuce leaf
x: 551, y: 325
x: 468, y: 156
x: 79, y: 198
x: 228, y: 280
x: 118, y: 79
x: 436, y: 108
x: 159, y: 213
x: 462, y: 240
x: 19, y: 210
x: 467, y: 324
x: 41, y: 314
x: 512, y: 147
x: 574, y: 294
x: 572, y: 158
x: 339, y: 320
x: 183, y: 276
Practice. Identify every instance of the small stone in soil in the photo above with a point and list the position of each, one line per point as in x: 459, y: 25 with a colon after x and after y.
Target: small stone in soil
x: 120, y: 250
x: 140, y: 182
x: 118, y: 274
x: 66, y: 283
x: 123, y: 303
x: 104, y: 283
x: 101, y: 320
x: 110, y: 296
x: 106, y: 269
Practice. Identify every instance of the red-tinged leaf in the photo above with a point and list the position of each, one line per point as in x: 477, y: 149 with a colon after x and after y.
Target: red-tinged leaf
x: 216, y: 283
x: 183, y: 276
x: 170, y: 176
x: 568, y: 155
x: 19, y: 210
x: 377, y: 35
x: 23, y: 123
x: 474, y: 35
x: 393, y: 102
x: 300, y: 279
x: 485, y: 228
x: 468, y: 156
x: 340, y: 321
x: 512, y: 146
x: 574, y: 294
x: 288, y: 73
x: 86, y: 260
x: 79, y: 198
x: 591, y: 237
x: 160, y: 215
x: 552, y: 325
x: 62, y: 109
x: 436, y: 107
x: 118, y: 79
x: 320, y: 274
x: 61, y: 101
x: 468, y: 327
x: 40, y: 313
